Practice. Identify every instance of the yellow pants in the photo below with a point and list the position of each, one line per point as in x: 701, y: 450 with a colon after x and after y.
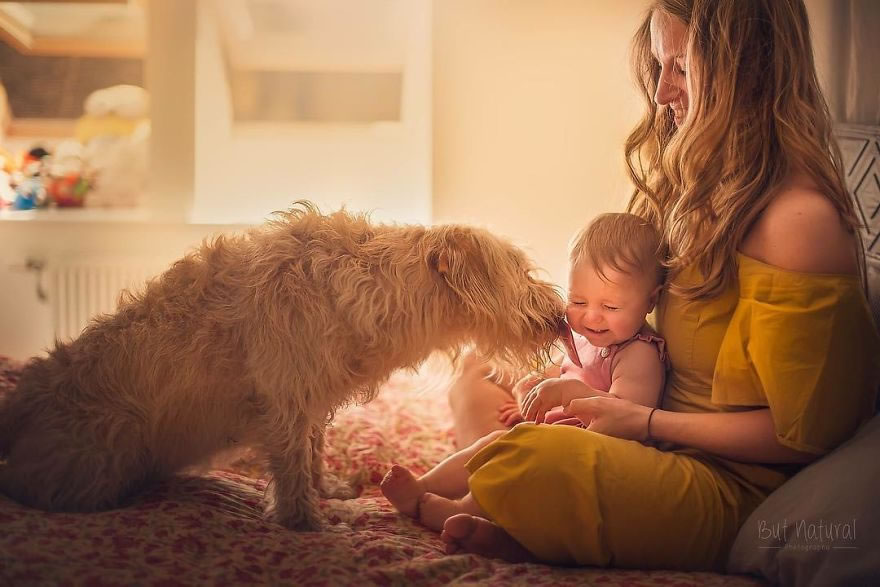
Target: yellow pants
x: 571, y: 496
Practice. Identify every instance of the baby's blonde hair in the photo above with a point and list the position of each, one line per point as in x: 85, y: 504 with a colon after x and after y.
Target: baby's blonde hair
x: 620, y: 241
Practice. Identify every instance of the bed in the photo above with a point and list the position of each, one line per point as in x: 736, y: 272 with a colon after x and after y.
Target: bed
x: 209, y: 529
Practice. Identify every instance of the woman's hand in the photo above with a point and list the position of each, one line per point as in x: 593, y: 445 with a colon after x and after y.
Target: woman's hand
x: 612, y: 416
x: 552, y: 393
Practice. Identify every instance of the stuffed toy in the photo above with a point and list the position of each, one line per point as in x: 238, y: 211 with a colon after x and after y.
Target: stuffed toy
x: 115, y: 132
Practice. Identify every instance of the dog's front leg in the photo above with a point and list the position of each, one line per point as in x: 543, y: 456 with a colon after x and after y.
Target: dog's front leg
x: 291, y: 463
x: 327, y: 484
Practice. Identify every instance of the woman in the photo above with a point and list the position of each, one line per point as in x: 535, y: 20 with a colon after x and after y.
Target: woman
x: 774, y: 355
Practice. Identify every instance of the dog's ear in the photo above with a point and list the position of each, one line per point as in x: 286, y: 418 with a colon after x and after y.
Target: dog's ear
x: 439, y: 261
x: 449, y: 248
x: 442, y: 262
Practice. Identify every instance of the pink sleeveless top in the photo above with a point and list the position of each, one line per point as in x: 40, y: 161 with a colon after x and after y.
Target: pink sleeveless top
x: 592, y: 365
x: 596, y: 362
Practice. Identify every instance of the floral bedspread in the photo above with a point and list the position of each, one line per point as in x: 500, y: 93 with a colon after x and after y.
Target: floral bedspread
x: 210, y: 530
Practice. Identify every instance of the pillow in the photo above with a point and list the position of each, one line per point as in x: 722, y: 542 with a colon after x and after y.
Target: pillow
x: 821, y: 527
x: 858, y: 145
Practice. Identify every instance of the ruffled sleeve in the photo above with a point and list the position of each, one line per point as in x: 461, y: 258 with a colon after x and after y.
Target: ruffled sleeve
x: 805, y: 346
x: 649, y: 335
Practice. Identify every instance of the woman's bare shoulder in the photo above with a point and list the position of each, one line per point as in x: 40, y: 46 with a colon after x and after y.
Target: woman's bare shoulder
x: 801, y: 230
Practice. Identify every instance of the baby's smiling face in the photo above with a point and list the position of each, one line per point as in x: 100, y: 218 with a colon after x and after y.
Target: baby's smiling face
x: 610, y: 310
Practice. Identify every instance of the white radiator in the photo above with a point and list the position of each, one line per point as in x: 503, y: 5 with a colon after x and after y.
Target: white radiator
x: 81, y: 289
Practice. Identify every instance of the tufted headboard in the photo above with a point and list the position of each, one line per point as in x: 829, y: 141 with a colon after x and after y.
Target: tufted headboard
x: 860, y: 146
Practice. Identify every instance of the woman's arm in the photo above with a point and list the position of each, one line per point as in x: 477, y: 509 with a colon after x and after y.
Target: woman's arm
x: 741, y: 436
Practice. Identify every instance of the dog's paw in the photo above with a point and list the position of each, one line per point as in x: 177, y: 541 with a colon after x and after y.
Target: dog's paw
x: 301, y: 519
x: 302, y: 523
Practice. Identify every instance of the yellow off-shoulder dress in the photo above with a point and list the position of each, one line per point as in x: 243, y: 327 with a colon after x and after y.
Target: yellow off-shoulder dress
x: 804, y: 345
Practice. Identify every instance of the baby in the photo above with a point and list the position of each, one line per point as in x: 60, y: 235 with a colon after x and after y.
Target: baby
x: 615, y: 278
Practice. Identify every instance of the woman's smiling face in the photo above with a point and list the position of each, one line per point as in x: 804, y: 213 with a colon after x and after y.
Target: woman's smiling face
x: 669, y: 46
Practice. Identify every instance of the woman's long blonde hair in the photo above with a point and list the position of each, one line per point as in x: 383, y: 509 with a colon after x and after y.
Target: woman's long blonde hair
x: 756, y: 115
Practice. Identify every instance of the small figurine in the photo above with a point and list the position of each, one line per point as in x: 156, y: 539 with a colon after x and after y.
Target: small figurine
x: 66, y: 185
x: 68, y: 191
x: 7, y: 194
x: 30, y: 192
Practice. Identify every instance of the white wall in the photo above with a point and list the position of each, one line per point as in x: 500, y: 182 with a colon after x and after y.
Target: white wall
x: 826, y: 22
x: 532, y: 104
x: 26, y: 323
x: 244, y: 172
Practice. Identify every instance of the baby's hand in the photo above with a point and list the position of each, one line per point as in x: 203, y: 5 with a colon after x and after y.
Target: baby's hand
x: 552, y: 393
x: 542, y: 398
x: 522, y: 387
x: 509, y: 414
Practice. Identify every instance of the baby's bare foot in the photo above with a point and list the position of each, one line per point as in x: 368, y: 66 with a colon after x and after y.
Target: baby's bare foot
x: 403, y: 490
x: 468, y: 533
x: 434, y: 510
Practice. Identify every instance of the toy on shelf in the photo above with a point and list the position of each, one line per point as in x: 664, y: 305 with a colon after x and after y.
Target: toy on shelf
x: 114, y: 132
x: 30, y: 190
x: 7, y: 168
x: 66, y: 185
x: 68, y: 191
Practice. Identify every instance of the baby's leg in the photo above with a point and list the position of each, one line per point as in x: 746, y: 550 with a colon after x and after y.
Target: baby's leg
x: 448, y: 479
x: 475, y: 398
x: 434, y: 510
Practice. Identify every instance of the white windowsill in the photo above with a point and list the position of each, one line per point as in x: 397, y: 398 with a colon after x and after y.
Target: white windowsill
x: 100, y: 215
x: 76, y: 215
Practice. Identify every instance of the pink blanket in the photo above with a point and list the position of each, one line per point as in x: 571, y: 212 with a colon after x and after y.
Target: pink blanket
x: 210, y: 529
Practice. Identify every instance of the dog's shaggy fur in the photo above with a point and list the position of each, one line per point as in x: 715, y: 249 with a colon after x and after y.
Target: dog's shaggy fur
x: 257, y: 340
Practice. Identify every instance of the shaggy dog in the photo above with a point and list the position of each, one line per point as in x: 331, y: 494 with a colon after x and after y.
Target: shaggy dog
x: 256, y: 340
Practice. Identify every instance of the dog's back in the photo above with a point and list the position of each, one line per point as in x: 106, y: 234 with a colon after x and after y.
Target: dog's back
x: 10, y: 423
x: 16, y: 409
x: 49, y: 461
x: 69, y: 446
x: 140, y: 394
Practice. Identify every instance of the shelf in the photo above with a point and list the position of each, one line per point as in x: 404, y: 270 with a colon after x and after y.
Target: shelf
x: 105, y: 216
x: 76, y: 215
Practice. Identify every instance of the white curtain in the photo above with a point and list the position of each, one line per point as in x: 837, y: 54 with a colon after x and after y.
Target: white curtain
x: 862, y: 68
